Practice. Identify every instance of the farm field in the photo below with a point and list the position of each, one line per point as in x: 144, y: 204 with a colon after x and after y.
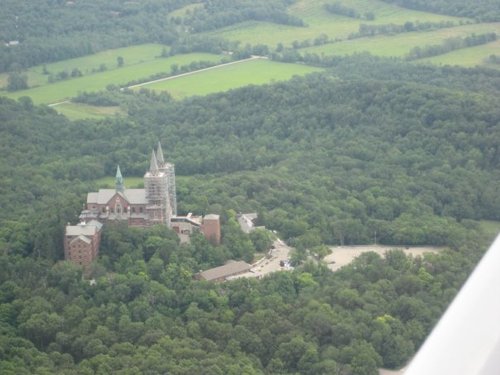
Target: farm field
x: 319, y: 21
x: 62, y: 90
x: 87, y: 64
x: 400, y: 44
x: 79, y: 111
x: 468, y: 57
x: 254, y: 72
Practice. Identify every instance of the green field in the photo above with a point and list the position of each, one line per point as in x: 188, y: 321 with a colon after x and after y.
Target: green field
x: 319, y: 21
x: 59, y: 91
x: 400, y: 44
x: 228, y: 77
x: 78, y: 111
x: 131, y: 56
x: 468, y: 57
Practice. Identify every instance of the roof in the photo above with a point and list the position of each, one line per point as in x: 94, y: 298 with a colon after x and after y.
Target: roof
x: 82, y: 238
x: 80, y: 230
x: 211, y: 217
x: 246, y: 222
x: 95, y: 223
x: 194, y: 220
x: 103, y: 196
x: 83, y: 229
x: 224, y: 271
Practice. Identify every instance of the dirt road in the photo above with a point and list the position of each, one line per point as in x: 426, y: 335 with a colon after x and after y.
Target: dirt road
x: 196, y: 71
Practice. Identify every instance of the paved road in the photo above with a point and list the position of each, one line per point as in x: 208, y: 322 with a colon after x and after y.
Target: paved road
x: 267, y: 265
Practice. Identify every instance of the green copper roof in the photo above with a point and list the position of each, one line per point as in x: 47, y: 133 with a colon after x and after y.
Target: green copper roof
x: 119, y: 180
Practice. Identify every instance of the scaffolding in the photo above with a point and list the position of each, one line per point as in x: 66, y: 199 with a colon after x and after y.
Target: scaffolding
x: 157, y: 196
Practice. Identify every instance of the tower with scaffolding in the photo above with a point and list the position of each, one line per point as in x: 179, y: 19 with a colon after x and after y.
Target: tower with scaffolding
x: 159, y: 186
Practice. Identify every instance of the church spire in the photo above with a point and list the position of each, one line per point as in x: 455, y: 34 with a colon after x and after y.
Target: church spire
x: 119, y: 186
x: 153, y: 165
x: 159, y: 155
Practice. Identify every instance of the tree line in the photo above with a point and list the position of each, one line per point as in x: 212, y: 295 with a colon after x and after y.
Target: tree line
x: 450, y: 44
x: 484, y: 11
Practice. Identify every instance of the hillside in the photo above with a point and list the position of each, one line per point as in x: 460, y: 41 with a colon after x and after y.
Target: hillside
x: 323, y: 160
x: 336, y: 122
x: 182, y: 36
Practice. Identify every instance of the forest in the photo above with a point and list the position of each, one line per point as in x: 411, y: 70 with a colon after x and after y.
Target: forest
x: 371, y: 150
x: 53, y: 30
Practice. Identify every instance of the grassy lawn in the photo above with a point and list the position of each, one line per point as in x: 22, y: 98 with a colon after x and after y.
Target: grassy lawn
x: 59, y: 91
x: 79, y: 111
x: 400, y: 44
x: 229, y: 77
x: 469, y: 57
x: 132, y: 182
x: 319, y: 21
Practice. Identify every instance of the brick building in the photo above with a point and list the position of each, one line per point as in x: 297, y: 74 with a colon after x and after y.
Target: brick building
x: 81, y: 242
x: 155, y: 204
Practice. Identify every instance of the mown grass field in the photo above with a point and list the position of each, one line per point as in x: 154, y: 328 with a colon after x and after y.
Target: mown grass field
x: 131, y: 56
x: 62, y: 90
x: 79, y: 111
x: 469, y: 57
x: 254, y: 72
x: 400, y: 44
x: 320, y: 21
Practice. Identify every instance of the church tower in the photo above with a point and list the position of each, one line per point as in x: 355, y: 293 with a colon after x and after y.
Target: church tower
x: 169, y: 170
x: 156, y: 192
x: 119, y: 184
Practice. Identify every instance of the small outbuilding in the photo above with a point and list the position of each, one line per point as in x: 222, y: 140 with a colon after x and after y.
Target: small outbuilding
x: 221, y: 273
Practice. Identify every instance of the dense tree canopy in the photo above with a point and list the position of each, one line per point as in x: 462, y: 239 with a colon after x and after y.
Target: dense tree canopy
x: 52, y: 30
x: 369, y: 150
x: 484, y: 10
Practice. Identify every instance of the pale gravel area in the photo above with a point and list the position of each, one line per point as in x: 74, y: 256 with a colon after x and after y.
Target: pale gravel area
x: 343, y: 255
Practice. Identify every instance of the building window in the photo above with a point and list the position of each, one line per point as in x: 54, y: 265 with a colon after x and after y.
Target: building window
x: 140, y: 210
x: 103, y: 209
x: 133, y: 210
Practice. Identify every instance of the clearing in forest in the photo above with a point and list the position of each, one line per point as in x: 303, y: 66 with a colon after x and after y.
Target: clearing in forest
x: 399, y: 45
x: 251, y: 72
x: 62, y: 90
x: 319, y: 21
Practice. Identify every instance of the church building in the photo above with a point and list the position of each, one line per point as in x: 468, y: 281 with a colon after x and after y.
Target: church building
x: 153, y: 205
